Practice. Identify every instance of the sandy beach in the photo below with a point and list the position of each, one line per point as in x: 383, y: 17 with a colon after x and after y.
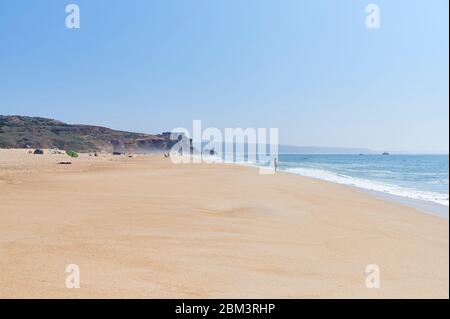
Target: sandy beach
x: 143, y: 227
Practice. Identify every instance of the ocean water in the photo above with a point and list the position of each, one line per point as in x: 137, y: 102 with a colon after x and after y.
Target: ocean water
x: 421, y: 177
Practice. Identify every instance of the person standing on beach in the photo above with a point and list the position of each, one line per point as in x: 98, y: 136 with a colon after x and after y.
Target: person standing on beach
x: 275, y: 164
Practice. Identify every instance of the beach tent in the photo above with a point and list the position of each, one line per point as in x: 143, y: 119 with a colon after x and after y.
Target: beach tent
x: 38, y: 151
x: 72, y: 153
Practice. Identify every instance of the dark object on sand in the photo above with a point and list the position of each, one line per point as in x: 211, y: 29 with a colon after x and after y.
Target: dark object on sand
x: 95, y: 154
x: 64, y: 163
x: 72, y: 153
x: 117, y: 153
x: 38, y: 151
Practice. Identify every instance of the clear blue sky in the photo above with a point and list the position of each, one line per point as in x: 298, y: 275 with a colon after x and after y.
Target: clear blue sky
x: 310, y: 68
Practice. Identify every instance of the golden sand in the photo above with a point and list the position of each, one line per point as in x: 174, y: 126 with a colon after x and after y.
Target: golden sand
x: 145, y: 228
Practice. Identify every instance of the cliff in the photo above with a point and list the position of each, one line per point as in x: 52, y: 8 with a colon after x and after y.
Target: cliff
x: 35, y: 132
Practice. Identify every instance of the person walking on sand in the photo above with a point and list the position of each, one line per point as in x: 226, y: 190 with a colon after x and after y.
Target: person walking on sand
x: 275, y: 164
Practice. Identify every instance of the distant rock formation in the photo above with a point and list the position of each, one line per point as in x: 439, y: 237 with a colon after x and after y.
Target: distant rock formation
x: 36, y: 132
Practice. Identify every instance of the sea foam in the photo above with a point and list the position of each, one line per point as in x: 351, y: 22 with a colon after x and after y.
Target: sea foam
x: 370, y: 185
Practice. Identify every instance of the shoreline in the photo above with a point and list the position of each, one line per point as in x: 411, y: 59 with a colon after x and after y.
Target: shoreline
x: 423, y: 206
x: 384, y: 188
x: 145, y: 228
